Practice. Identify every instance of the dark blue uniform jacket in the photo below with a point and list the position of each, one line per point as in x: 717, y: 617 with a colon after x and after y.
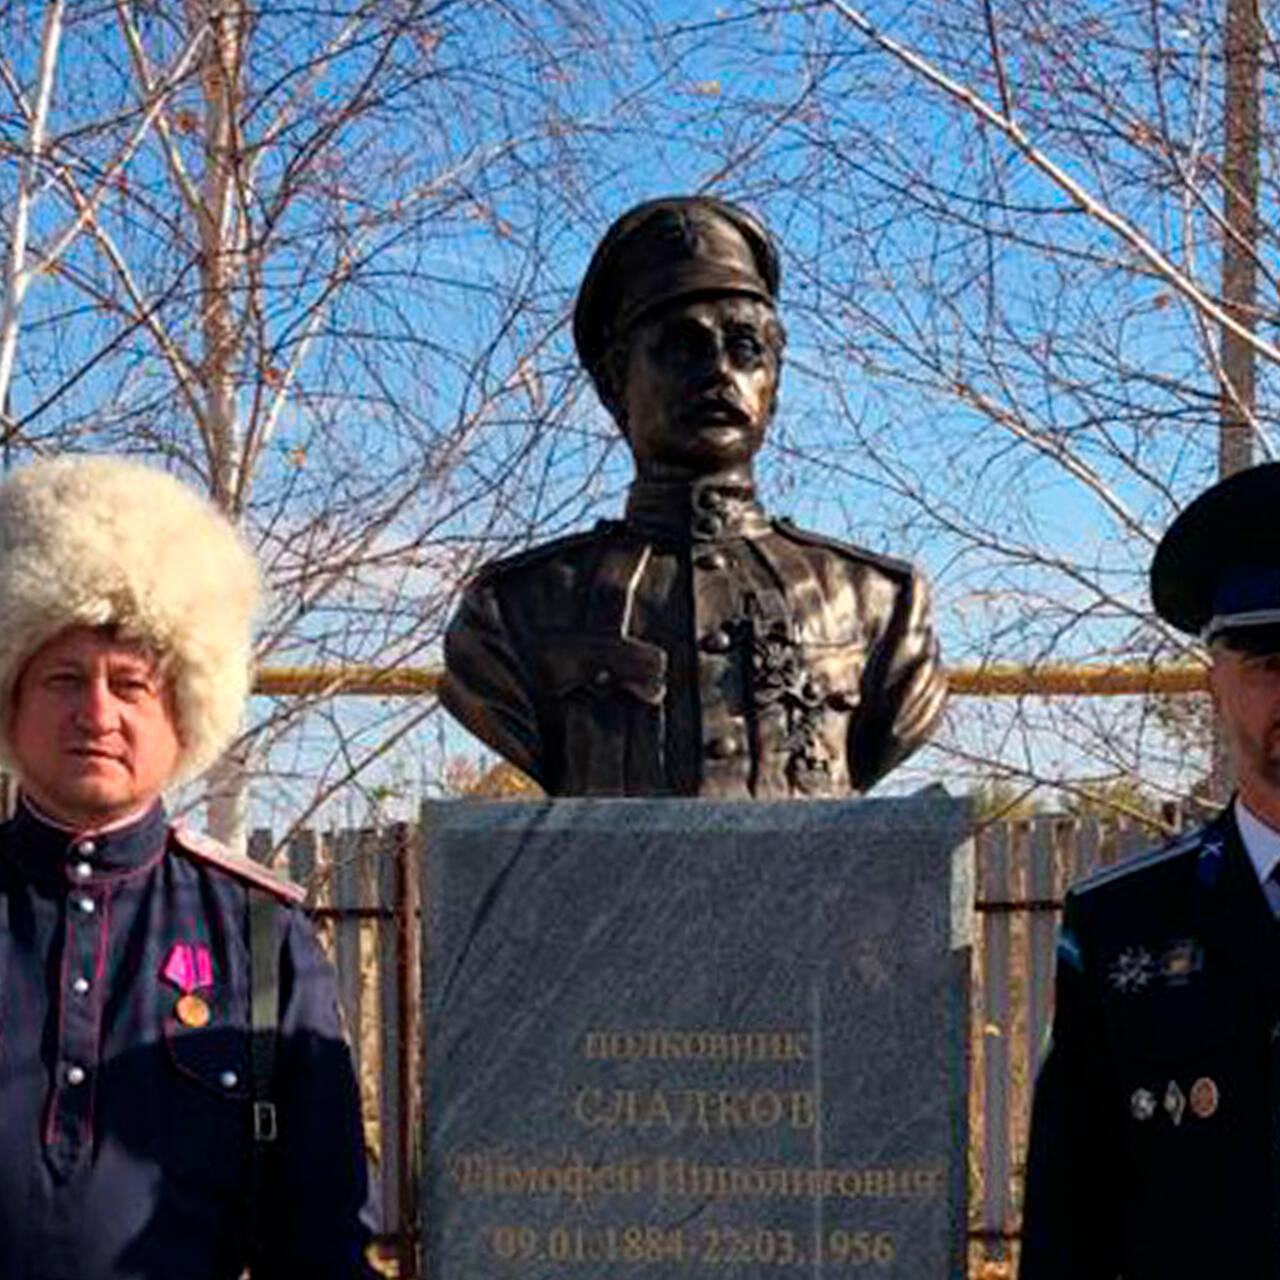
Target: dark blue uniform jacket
x: 125, y: 1135
x: 1155, y: 1136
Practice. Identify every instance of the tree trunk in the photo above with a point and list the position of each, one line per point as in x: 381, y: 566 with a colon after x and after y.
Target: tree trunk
x: 222, y: 269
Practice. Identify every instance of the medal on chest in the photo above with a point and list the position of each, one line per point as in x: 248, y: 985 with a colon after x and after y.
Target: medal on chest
x: 189, y: 968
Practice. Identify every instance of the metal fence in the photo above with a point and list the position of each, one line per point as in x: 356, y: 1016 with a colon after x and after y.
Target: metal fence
x: 364, y: 895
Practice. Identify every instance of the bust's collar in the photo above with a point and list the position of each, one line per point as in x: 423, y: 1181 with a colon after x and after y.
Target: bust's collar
x: 702, y: 510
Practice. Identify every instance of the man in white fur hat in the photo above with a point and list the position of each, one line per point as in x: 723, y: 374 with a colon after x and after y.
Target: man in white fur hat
x: 176, y: 1099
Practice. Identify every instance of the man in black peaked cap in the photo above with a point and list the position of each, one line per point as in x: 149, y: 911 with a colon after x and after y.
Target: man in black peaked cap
x: 1155, y: 1137
x: 695, y: 647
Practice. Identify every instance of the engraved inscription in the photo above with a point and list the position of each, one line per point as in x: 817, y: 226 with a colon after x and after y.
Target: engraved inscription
x: 643, y: 1203
x: 702, y: 1110
x: 711, y: 1245
x: 503, y: 1174
x: 666, y: 1045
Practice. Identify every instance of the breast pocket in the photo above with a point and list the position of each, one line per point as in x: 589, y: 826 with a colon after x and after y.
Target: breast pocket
x: 208, y: 1088
x: 605, y: 701
x: 1166, y: 1023
x: 1190, y: 1085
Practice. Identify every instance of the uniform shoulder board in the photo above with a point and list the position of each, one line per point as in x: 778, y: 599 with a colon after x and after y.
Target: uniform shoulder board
x: 543, y: 551
x: 205, y: 848
x: 889, y: 565
x: 1141, y: 862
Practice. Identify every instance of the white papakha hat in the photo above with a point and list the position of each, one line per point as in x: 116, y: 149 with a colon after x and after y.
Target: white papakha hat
x: 100, y: 542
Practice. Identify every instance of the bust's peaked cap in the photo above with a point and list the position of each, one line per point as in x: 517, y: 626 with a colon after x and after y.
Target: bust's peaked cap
x: 663, y: 250
x: 98, y: 541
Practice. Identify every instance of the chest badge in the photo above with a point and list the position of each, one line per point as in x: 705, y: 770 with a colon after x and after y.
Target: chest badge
x: 189, y: 967
x: 1180, y: 962
x: 1175, y: 1102
x: 1132, y: 970
x: 1203, y: 1098
x: 1142, y: 1104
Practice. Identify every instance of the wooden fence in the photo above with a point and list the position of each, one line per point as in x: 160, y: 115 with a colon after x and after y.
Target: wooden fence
x: 363, y: 893
x: 1023, y: 869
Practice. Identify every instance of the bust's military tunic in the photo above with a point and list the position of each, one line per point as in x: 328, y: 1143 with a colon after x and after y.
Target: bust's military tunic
x: 125, y: 1131
x: 1155, y: 1135
x: 696, y: 648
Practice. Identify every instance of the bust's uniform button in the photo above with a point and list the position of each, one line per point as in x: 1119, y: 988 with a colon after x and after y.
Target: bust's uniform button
x: 602, y: 677
x: 228, y: 1079
x: 75, y: 1075
x: 712, y: 560
x: 80, y: 986
x: 86, y: 905
x: 719, y: 641
x: 82, y: 870
x: 724, y: 747
x: 84, y: 847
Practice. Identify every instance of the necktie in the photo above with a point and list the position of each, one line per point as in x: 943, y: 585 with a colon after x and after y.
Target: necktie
x: 1271, y: 887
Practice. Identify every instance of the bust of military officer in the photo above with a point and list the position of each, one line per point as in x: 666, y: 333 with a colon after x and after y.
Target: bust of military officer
x: 696, y: 646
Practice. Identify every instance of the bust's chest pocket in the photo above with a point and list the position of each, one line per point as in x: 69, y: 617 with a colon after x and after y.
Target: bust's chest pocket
x: 833, y: 674
x: 603, y: 712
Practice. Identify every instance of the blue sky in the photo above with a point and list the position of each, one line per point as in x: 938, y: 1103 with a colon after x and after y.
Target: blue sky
x: 941, y: 297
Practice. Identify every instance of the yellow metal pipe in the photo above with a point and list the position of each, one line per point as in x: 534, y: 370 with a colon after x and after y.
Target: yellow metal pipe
x: 1077, y: 679
x: 374, y: 681
x: 993, y: 680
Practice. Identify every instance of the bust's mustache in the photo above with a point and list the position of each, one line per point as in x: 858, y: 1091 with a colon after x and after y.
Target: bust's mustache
x: 722, y: 406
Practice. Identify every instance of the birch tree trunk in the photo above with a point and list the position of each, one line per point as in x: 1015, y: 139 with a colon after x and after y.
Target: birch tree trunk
x: 222, y: 268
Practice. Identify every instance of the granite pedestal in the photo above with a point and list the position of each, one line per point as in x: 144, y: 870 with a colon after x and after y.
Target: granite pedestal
x: 681, y: 1038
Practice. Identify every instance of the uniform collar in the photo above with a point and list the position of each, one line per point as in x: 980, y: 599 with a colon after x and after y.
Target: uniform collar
x: 47, y: 851
x: 702, y: 510
x: 1261, y: 841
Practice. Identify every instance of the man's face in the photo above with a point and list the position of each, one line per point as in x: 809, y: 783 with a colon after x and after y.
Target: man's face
x: 93, y: 729
x: 699, y: 387
x: 1246, y: 690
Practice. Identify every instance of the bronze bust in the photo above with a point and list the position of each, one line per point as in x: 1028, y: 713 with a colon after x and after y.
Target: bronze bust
x: 694, y: 647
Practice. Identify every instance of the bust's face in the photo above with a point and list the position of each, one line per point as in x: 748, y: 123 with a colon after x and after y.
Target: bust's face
x: 699, y: 388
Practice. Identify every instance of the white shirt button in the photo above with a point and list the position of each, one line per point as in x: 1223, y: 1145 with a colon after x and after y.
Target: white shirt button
x: 228, y: 1079
x: 80, y: 986
x: 86, y: 905
x: 75, y: 1075
x: 82, y: 870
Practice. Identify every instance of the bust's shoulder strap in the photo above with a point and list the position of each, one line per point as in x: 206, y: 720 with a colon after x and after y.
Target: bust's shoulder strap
x: 206, y: 849
x: 888, y: 565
